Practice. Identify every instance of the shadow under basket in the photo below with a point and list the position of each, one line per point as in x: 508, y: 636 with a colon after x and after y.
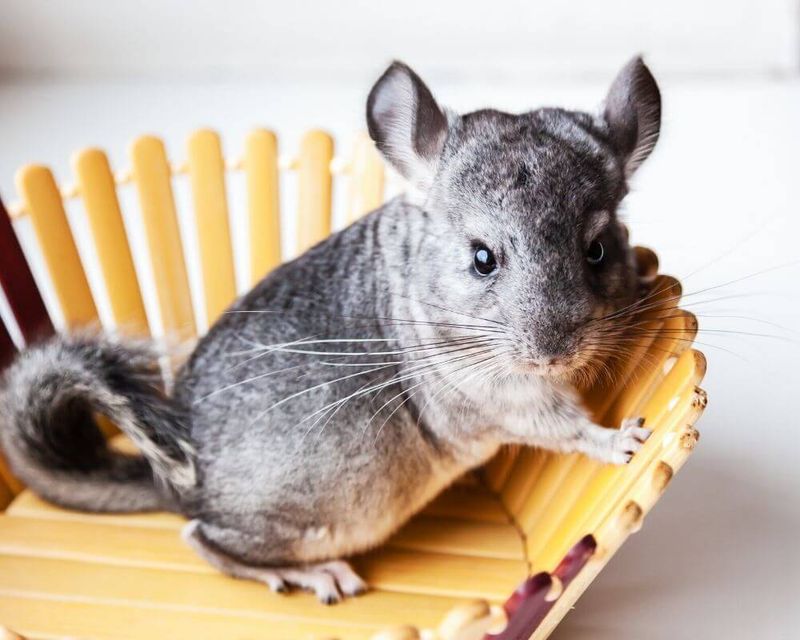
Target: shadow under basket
x: 506, y: 551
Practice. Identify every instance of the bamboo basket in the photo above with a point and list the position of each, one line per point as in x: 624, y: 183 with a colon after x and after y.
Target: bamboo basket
x: 505, y: 552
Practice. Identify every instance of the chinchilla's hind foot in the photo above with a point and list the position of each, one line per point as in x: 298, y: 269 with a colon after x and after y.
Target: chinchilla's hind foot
x: 330, y: 581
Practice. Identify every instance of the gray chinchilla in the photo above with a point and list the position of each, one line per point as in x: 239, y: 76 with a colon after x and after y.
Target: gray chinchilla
x: 353, y: 384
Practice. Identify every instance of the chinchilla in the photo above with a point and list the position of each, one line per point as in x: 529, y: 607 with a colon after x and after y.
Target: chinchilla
x: 354, y: 383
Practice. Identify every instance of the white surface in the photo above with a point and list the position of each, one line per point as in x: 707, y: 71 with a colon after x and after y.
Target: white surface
x: 512, y: 39
x: 718, y: 557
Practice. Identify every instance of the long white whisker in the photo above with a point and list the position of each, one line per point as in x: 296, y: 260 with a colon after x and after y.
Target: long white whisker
x: 386, y: 320
x: 399, y: 377
x: 312, y: 388
x: 248, y: 380
x: 408, y: 397
x: 405, y: 350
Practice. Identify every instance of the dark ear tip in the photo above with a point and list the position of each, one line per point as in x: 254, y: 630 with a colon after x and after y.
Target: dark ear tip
x: 637, y: 61
x: 643, y: 77
x: 637, y: 65
x: 395, y: 67
x: 398, y: 65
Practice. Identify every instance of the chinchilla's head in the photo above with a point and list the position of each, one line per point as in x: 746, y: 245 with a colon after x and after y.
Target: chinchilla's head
x: 528, y: 204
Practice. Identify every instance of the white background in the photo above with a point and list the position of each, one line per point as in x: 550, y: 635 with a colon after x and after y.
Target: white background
x: 718, y: 200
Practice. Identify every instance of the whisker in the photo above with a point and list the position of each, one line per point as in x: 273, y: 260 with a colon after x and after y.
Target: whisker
x: 396, y: 379
x: 408, y: 397
x: 248, y: 380
x: 450, y: 310
x: 383, y: 319
x: 399, y: 377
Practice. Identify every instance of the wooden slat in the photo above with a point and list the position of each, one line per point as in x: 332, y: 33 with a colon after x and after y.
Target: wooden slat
x: 497, y: 470
x: 540, y: 529
x: 468, y: 503
x: 315, y: 186
x: 440, y: 535
x: 19, y: 286
x: 424, y: 533
x: 441, y: 574
x: 28, y: 505
x: 98, y: 191
x: 664, y: 297
x: 366, y: 179
x: 473, y: 504
x: 84, y: 540
x: 152, y: 176
x: 179, y: 590
x: 676, y: 335
x: 155, y: 548
x: 207, y: 176
x: 263, y: 202
x: 49, y: 618
x: 43, y: 202
x: 553, y: 471
x: 522, y: 476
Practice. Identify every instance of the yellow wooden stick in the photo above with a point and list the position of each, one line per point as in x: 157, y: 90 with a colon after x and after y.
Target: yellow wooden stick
x: 315, y: 189
x: 207, y: 176
x: 263, y: 203
x: 153, y: 179
x: 98, y: 191
x: 366, y: 179
x: 42, y: 200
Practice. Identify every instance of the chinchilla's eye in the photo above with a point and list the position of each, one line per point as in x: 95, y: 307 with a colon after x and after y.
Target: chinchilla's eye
x: 595, y: 253
x: 484, y: 260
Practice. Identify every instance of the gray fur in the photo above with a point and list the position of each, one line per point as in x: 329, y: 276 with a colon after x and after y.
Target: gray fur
x: 334, y: 400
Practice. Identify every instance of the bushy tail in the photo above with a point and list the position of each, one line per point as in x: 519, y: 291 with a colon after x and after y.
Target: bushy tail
x: 48, y: 403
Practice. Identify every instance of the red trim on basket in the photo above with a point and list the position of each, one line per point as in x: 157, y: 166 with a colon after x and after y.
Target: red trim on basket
x: 7, y: 347
x: 19, y: 286
x: 527, y: 606
x: 523, y: 607
x: 575, y: 560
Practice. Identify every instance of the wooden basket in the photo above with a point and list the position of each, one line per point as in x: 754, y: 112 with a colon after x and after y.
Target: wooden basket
x: 540, y: 523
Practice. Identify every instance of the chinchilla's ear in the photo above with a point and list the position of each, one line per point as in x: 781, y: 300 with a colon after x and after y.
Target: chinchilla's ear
x: 407, y: 125
x: 632, y: 111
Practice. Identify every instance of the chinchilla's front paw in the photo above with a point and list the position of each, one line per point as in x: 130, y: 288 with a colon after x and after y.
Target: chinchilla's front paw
x: 627, y: 440
x: 615, y: 446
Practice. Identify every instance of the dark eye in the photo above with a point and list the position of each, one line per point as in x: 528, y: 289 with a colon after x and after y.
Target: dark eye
x: 484, y: 261
x: 595, y: 253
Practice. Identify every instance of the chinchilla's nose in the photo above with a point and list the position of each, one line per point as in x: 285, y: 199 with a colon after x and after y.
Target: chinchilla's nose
x: 558, y: 306
x: 551, y: 343
x: 553, y: 330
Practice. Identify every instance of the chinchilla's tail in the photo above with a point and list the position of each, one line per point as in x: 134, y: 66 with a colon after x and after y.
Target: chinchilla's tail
x: 48, y: 402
